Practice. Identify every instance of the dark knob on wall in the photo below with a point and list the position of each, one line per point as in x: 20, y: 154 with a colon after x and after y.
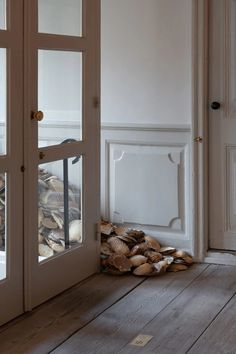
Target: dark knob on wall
x: 215, y: 105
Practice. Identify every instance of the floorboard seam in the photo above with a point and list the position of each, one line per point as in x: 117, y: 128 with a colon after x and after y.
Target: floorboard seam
x: 26, y: 315
x: 217, y: 315
x: 99, y: 314
x: 192, y: 281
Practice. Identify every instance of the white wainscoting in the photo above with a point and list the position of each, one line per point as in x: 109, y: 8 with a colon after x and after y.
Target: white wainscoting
x: 146, y: 180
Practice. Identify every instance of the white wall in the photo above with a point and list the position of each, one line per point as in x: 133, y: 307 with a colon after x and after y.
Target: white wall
x: 2, y: 14
x: 146, y: 61
x: 60, y: 78
x: 60, y: 16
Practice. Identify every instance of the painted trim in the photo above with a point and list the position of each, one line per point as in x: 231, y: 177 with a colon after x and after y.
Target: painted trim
x: 71, y: 124
x: 200, y: 126
x: 150, y: 137
x: 201, y: 151
x: 165, y: 231
x: 175, y: 128
x: 182, y: 128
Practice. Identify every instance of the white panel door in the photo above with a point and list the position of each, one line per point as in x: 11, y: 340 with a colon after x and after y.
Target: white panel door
x: 11, y: 159
x: 222, y: 124
x: 61, y: 144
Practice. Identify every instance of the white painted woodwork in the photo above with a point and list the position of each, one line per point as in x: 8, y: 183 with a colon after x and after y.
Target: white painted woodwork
x: 222, y: 124
x: 11, y: 261
x: 48, y: 278
x: 27, y: 282
x: 146, y: 180
x: 138, y: 182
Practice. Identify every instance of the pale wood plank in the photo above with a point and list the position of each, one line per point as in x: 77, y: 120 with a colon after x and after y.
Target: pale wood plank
x: 51, y: 323
x: 177, y: 327
x: 120, y: 323
x: 220, y: 337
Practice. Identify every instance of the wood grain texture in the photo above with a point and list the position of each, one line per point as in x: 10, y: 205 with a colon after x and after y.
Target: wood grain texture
x: 220, y: 337
x: 120, y: 323
x: 178, y: 326
x: 43, y: 329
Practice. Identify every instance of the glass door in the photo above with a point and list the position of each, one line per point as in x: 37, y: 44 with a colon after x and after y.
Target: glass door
x: 11, y: 160
x: 61, y: 144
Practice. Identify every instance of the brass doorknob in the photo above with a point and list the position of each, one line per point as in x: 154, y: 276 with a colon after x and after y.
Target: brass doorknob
x: 37, y: 115
x: 198, y: 139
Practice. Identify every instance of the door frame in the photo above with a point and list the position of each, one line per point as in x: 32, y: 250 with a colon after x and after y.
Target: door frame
x: 200, y: 128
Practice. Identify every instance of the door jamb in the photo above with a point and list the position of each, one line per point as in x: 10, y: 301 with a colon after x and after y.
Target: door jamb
x: 200, y: 126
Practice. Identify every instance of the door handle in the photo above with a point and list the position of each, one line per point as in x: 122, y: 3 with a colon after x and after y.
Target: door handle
x: 215, y: 105
x: 37, y: 115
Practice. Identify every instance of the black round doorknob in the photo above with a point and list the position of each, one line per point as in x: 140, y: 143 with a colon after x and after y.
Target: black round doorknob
x: 215, y: 105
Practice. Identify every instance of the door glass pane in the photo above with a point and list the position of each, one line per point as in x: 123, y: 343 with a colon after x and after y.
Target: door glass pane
x: 3, y: 100
x: 59, y: 96
x: 60, y: 17
x: 3, y: 15
x: 59, y: 206
x: 2, y: 226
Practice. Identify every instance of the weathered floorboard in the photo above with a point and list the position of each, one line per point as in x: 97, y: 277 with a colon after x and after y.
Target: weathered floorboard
x: 178, y: 326
x: 220, y: 337
x: 51, y: 323
x: 119, y: 324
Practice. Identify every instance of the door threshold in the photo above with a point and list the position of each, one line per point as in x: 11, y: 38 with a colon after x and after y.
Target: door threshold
x: 221, y: 257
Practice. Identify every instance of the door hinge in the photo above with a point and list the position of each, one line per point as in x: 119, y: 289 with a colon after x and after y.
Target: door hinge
x: 96, y: 102
x: 97, y: 231
x: 22, y: 168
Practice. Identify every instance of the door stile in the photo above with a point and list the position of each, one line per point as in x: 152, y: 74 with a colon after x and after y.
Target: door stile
x: 93, y: 126
x: 30, y: 150
x: 11, y: 288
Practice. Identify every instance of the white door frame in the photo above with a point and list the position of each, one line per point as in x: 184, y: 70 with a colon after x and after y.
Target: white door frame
x: 200, y: 129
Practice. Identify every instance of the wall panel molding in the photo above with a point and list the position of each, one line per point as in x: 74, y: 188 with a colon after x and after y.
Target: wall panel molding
x: 146, y: 180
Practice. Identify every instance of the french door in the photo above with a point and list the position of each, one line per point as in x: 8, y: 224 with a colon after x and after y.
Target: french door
x: 53, y: 128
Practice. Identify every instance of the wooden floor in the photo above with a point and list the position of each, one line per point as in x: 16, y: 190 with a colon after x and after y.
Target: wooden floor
x: 186, y: 312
